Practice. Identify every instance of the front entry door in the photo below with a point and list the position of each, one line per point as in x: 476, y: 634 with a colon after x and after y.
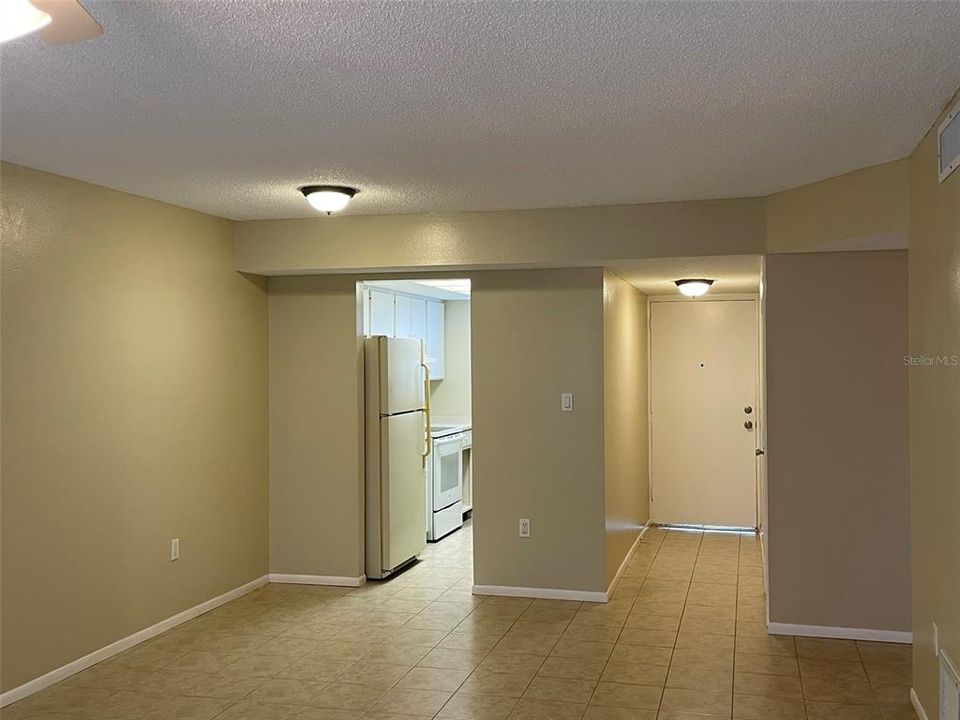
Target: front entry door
x: 703, y: 377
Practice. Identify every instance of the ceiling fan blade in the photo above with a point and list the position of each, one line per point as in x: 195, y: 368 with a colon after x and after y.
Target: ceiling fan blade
x: 71, y: 22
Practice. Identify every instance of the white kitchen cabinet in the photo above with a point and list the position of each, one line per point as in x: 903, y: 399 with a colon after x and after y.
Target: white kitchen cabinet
x: 433, y: 338
x: 382, y: 319
x: 400, y: 315
x: 404, y: 326
x: 418, y: 318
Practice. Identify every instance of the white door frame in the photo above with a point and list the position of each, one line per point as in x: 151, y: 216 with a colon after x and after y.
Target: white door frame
x: 761, y: 419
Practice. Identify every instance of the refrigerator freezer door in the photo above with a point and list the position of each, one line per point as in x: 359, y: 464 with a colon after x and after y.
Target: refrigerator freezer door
x: 403, y: 486
x: 401, y: 376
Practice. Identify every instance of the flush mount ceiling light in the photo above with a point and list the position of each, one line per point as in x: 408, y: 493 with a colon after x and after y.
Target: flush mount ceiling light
x: 328, y: 198
x: 694, y: 287
x: 19, y: 17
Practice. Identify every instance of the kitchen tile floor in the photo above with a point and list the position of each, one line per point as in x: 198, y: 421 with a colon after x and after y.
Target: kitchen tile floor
x: 683, y: 639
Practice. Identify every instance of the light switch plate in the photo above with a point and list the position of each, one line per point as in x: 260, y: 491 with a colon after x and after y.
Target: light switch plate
x: 566, y: 402
x: 175, y: 549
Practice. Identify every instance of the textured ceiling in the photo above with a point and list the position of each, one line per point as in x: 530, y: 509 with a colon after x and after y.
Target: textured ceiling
x: 657, y: 276
x: 227, y: 106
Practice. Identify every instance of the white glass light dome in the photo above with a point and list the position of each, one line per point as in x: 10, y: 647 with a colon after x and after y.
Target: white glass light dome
x: 328, y: 198
x: 694, y: 287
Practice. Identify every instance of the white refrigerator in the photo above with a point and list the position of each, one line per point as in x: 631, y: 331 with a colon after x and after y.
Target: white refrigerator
x: 397, y: 444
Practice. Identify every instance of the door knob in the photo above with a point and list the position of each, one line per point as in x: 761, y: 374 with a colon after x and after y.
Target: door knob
x: 748, y: 425
x: 748, y: 409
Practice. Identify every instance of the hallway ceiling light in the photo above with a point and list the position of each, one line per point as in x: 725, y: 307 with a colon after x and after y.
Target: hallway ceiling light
x: 19, y: 17
x: 694, y: 287
x: 328, y: 198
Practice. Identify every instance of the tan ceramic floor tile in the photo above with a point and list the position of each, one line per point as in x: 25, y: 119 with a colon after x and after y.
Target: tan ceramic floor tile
x: 696, y: 701
x: 365, y: 672
x: 839, y: 711
x: 409, y: 701
x: 452, y: 659
x: 629, y: 696
x: 168, y: 682
x: 345, y: 696
x: 702, y: 657
x: 572, y: 668
x: 288, y: 692
x: 644, y: 621
x: 325, y: 714
x: 699, y: 677
x: 544, y: 710
x: 635, y: 673
x: 486, y: 683
x: 746, y: 683
x: 254, y: 710
x: 226, y: 687
x: 838, y: 690
x: 643, y: 654
x: 827, y: 649
x: 767, y: 664
x: 684, y: 602
x: 898, y: 712
x: 463, y: 706
x: 782, y: 645
x: 755, y: 707
x: 424, y: 678
x: 654, y: 638
x: 560, y: 690
x: 892, y: 694
x: 831, y: 669
x: 679, y: 715
x: 582, y: 649
x: 708, y: 642
x: 601, y: 712
x: 192, y: 708
x: 511, y: 663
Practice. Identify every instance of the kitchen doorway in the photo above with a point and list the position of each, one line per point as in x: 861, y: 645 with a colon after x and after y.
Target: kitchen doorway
x: 704, y: 412
x: 435, y: 313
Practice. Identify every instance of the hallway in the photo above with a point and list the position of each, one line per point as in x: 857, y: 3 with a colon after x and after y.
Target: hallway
x: 683, y: 639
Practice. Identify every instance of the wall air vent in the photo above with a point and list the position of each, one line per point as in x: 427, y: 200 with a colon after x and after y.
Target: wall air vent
x: 948, y: 143
x: 949, y: 689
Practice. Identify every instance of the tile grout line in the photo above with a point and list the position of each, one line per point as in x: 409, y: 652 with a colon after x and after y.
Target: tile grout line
x: 736, y: 624
x: 683, y: 613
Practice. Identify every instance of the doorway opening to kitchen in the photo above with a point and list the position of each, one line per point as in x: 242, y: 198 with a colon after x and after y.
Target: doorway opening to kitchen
x: 418, y: 429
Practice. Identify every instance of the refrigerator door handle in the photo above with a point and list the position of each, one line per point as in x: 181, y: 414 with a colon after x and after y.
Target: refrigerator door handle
x: 426, y: 394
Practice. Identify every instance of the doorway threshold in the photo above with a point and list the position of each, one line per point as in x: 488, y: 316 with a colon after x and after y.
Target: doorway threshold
x: 685, y: 527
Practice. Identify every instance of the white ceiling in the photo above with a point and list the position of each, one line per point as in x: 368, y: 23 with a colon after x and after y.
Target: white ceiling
x: 657, y: 276
x: 227, y: 106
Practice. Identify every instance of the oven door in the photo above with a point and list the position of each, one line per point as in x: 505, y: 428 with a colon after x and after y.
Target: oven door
x: 447, y: 472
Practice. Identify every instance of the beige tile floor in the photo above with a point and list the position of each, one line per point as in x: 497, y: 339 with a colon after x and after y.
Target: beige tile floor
x: 683, y: 639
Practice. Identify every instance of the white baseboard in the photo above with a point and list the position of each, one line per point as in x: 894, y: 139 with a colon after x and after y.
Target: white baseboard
x: 334, y: 580
x: 915, y: 701
x: 840, y: 633
x: 626, y: 561
x: 539, y: 593
x: 72, y: 668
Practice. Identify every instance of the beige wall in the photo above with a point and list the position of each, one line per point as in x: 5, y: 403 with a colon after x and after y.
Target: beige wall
x: 451, y: 396
x: 838, y: 488
x: 625, y: 418
x: 515, y: 238
x: 134, y: 411
x: 530, y: 460
x: 537, y: 334
x: 316, y: 440
x: 867, y: 209
x: 934, y: 414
